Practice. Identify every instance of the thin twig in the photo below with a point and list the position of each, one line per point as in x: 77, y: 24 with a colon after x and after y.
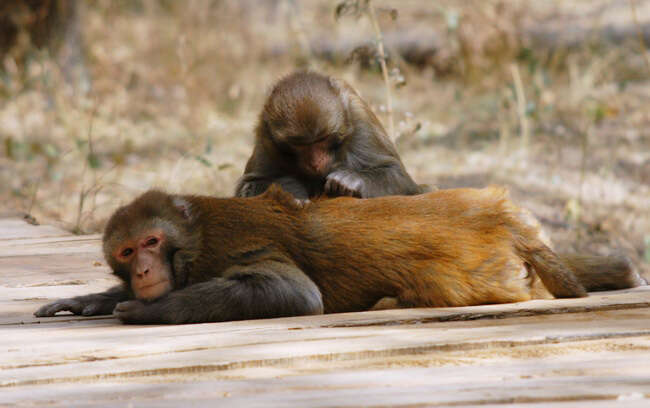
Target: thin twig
x: 644, y: 50
x: 584, y: 148
x: 85, y: 191
x: 504, y: 128
x: 32, y: 198
x: 384, y: 70
x: 521, y: 105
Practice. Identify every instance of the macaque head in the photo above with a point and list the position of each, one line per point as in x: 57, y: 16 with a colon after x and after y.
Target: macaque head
x: 306, y: 118
x: 140, y: 240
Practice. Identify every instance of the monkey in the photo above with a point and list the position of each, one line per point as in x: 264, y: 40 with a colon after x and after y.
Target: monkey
x: 193, y: 259
x: 316, y: 136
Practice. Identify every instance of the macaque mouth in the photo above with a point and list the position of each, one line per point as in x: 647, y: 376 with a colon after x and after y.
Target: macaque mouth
x: 153, y: 291
x: 153, y: 284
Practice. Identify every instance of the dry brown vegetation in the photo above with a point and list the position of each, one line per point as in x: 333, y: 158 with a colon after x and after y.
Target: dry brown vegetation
x: 551, y: 99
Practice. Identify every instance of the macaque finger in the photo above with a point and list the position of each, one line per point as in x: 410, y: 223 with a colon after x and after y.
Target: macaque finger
x: 61, y: 305
x: 301, y: 203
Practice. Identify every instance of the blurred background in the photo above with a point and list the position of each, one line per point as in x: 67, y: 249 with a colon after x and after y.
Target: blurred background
x: 101, y: 100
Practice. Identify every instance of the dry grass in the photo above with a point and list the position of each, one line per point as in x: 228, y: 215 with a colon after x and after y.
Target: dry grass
x: 176, y: 87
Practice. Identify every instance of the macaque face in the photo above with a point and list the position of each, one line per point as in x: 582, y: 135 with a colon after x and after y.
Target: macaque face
x: 143, y: 256
x: 314, y: 159
x: 312, y: 134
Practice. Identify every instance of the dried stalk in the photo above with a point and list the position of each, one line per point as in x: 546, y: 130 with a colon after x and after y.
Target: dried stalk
x: 521, y: 105
x: 635, y: 19
x: 384, y: 70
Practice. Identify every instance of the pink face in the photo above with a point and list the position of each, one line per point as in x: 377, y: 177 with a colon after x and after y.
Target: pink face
x: 150, y: 274
x: 315, y: 159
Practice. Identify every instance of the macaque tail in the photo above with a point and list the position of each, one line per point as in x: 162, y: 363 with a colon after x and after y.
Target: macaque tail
x: 603, y: 272
x: 556, y: 275
x: 572, y: 275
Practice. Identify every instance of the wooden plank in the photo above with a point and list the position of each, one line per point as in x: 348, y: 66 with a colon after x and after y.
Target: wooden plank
x: 51, y: 270
x: 34, y: 259
x: 73, y: 244
x: 97, y: 349
x: 14, y: 227
x: 27, y: 282
x: 557, y: 382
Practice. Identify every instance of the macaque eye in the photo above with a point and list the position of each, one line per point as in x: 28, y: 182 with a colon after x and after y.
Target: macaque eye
x: 151, y: 241
x: 126, y: 252
x: 336, y: 141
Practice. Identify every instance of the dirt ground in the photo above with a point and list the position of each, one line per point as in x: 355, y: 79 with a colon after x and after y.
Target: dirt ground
x: 168, y: 92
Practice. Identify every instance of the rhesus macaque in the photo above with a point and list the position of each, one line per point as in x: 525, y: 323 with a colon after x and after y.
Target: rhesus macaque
x: 191, y: 259
x: 316, y: 136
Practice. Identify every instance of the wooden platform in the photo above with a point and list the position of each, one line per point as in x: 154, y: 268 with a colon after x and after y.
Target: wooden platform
x: 592, y: 352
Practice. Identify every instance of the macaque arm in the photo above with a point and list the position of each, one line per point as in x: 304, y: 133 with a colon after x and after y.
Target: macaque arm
x: 261, y: 171
x: 265, y: 289
x: 250, y: 186
x: 387, y: 179
x: 88, y: 305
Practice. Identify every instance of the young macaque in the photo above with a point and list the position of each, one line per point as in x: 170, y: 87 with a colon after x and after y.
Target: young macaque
x: 316, y: 136
x: 191, y: 259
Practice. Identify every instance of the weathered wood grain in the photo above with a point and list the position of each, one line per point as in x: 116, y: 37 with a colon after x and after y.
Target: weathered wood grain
x: 613, y: 379
x: 51, y: 245
x: 16, y: 228
x: 102, y: 351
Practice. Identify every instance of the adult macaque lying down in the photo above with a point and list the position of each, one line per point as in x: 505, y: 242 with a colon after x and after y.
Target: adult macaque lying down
x: 191, y: 259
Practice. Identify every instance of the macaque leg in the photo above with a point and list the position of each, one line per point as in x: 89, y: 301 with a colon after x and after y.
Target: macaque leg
x: 262, y: 290
x: 88, y: 305
x: 250, y: 187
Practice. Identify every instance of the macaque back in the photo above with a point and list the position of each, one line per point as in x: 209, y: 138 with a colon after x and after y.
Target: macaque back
x: 446, y: 248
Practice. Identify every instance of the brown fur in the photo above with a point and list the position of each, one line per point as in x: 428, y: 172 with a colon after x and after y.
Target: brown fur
x: 315, y: 136
x: 268, y: 256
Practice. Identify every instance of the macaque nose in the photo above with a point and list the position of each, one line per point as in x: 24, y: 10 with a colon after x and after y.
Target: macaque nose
x: 319, y: 163
x: 142, y: 273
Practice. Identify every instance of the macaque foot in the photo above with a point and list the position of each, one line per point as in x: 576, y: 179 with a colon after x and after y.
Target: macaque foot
x: 387, y: 303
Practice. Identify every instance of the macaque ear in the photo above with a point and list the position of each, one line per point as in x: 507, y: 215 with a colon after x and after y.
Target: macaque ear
x: 183, y: 206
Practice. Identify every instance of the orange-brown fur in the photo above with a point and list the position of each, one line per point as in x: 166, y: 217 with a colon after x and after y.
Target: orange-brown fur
x: 446, y: 248
x: 267, y: 256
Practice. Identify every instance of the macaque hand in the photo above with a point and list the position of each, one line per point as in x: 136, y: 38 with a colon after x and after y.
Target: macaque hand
x: 134, y: 311
x: 344, y: 183
x: 83, y: 305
